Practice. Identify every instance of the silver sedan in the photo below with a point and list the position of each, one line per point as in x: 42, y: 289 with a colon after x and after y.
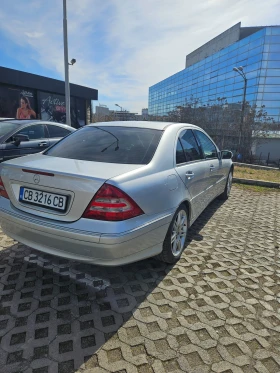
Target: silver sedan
x: 114, y: 193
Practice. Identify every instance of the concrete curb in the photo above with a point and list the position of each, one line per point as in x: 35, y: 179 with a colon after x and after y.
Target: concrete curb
x: 267, y: 184
x: 255, y: 166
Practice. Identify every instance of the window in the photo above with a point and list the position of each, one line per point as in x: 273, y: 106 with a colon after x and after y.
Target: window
x: 56, y: 131
x: 209, y: 149
x: 34, y: 132
x: 6, y: 127
x: 180, y: 155
x: 271, y: 96
x: 11, y: 99
x: 124, y: 145
x: 187, y: 149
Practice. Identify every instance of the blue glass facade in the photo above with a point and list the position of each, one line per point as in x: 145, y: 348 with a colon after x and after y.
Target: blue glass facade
x: 213, y: 77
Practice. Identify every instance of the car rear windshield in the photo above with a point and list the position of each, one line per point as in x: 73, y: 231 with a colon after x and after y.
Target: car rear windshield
x: 125, y: 145
x: 6, y: 127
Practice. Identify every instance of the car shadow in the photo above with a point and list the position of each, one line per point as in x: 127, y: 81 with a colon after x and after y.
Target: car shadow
x: 198, y: 225
x: 55, y: 314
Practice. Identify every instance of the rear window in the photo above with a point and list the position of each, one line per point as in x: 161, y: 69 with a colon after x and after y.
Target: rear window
x: 125, y: 145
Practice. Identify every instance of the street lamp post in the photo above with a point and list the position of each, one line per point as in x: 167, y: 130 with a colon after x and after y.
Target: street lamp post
x: 66, y: 65
x: 240, y: 71
x: 120, y: 108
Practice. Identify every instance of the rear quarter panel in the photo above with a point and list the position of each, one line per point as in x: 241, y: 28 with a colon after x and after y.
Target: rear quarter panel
x: 156, y: 187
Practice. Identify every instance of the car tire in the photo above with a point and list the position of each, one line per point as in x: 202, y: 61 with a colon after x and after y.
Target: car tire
x: 176, y: 236
x: 224, y: 196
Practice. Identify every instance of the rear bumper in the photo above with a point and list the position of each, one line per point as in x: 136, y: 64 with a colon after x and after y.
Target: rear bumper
x: 67, y: 242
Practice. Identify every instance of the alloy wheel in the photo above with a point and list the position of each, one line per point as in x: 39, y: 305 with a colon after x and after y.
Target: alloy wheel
x: 179, y: 233
x: 229, y: 183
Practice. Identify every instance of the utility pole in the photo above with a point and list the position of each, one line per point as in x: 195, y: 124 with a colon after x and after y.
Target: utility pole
x: 66, y: 65
x: 244, y: 101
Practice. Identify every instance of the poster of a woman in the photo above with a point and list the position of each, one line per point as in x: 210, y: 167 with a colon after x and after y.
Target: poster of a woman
x: 25, y: 111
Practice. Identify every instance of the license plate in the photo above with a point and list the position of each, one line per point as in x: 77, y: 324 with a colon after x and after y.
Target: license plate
x: 39, y: 198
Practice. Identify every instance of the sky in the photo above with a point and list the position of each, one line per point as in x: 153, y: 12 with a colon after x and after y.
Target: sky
x: 122, y: 47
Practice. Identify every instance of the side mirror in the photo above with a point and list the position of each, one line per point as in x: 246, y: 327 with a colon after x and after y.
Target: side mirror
x: 19, y: 138
x: 226, y: 154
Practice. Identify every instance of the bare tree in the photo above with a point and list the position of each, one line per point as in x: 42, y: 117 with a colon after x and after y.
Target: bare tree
x: 103, y: 118
x: 222, y: 121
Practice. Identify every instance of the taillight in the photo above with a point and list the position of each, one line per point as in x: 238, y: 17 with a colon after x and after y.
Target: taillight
x: 3, y: 192
x: 112, y: 204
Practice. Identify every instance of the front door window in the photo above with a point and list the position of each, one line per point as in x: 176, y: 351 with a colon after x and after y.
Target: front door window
x: 208, y: 147
x: 35, y: 132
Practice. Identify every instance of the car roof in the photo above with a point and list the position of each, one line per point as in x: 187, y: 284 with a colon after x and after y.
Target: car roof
x: 33, y: 121
x: 142, y: 124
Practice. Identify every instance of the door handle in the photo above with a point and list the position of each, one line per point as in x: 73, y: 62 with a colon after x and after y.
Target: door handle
x: 189, y: 175
x: 43, y: 143
x: 212, y: 167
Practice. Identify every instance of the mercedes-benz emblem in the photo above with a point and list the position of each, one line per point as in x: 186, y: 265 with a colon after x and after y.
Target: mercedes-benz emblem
x: 36, y: 179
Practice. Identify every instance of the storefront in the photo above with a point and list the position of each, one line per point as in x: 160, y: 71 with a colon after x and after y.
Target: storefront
x: 29, y: 96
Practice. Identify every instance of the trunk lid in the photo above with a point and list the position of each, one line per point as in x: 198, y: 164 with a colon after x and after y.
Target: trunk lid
x: 76, y: 179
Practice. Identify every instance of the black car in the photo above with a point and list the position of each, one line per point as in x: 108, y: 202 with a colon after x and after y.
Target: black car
x: 23, y: 137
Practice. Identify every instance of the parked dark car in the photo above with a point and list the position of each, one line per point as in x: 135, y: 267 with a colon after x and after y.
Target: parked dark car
x: 23, y: 137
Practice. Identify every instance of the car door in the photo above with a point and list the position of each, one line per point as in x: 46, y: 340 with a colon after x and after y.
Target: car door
x: 9, y: 150
x: 38, y: 139
x: 213, y: 164
x: 56, y: 133
x: 190, y: 167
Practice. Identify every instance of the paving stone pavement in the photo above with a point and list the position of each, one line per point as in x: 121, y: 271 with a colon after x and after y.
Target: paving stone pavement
x: 216, y: 310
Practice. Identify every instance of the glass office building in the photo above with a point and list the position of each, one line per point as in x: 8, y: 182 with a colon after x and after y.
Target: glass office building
x: 208, y: 75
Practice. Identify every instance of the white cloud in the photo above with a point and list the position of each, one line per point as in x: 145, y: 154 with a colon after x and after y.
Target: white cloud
x: 123, y: 47
x: 34, y: 35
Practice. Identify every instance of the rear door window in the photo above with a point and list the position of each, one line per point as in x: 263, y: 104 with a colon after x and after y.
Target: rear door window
x: 180, y: 155
x: 57, y: 131
x: 188, y: 144
x: 125, y: 145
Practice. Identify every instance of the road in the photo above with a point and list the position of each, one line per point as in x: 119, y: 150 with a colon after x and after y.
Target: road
x: 216, y: 310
